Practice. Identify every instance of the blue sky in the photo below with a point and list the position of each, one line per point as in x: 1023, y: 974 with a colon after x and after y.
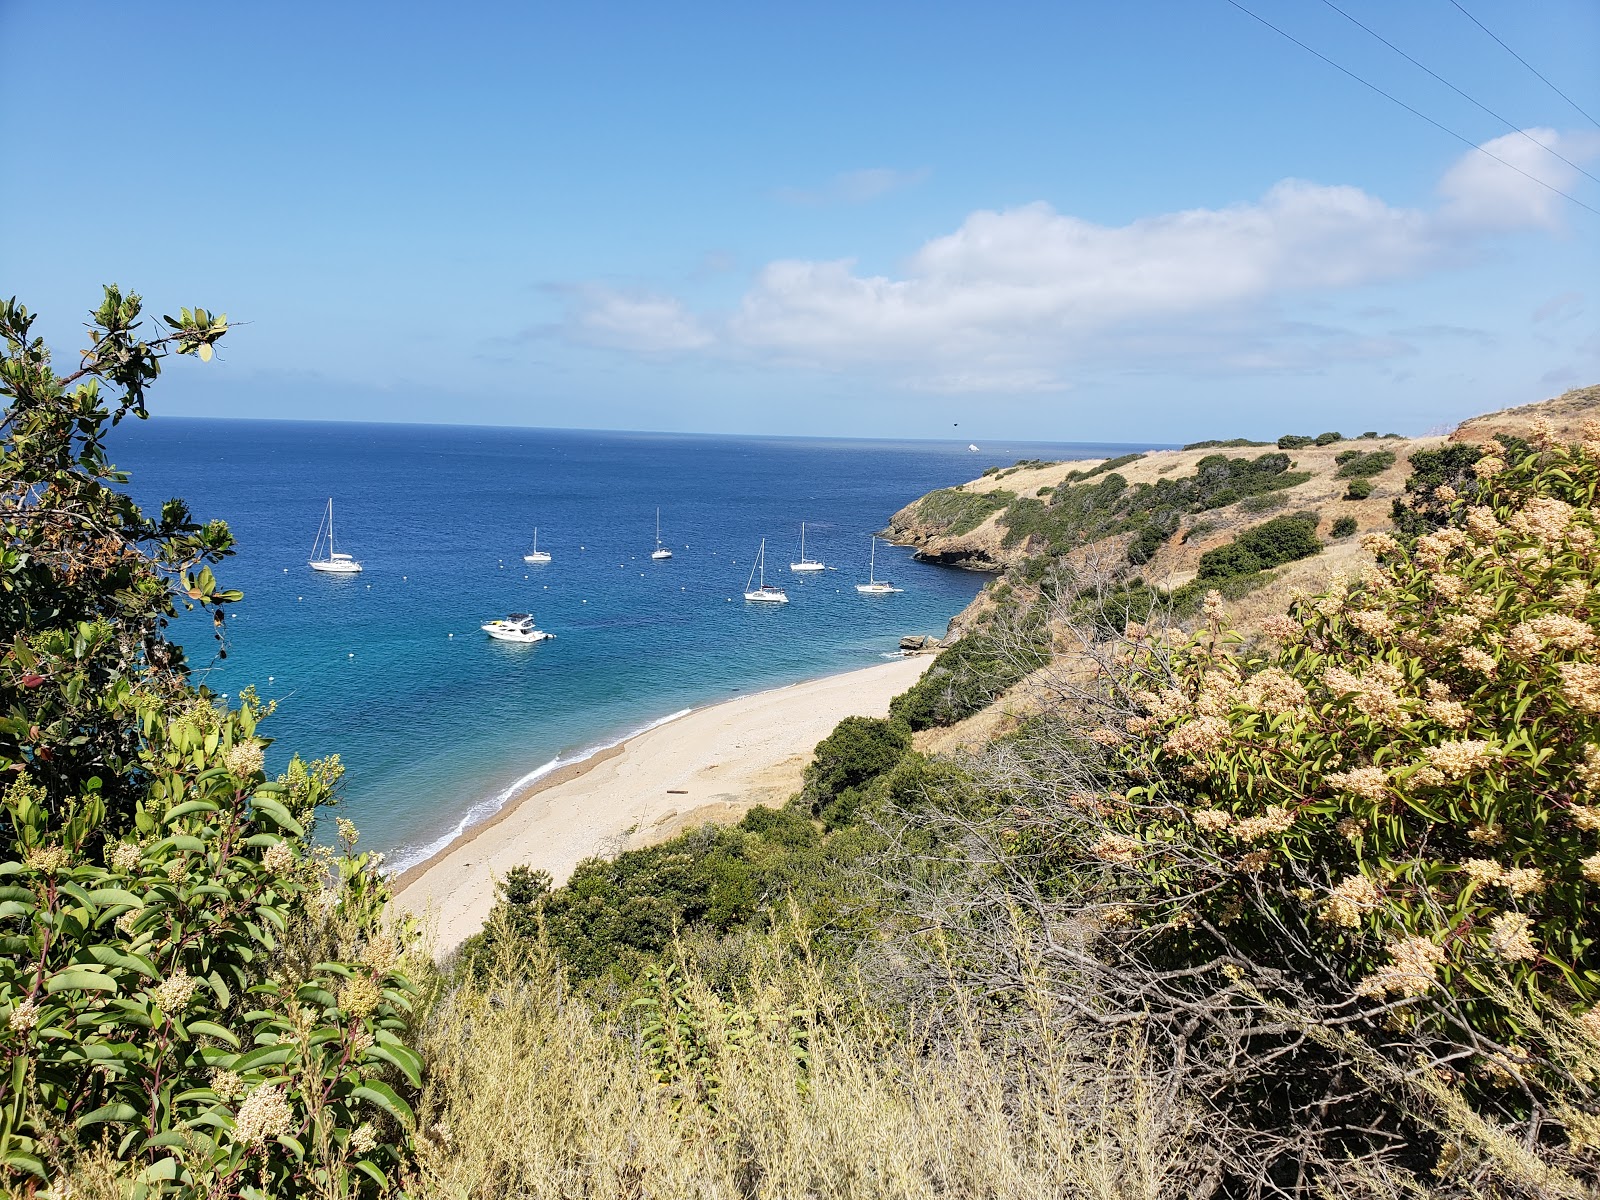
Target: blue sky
x: 1135, y: 221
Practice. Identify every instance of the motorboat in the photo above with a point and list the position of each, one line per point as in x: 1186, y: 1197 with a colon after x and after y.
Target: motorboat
x: 517, y: 627
x: 330, y: 562
x: 763, y: 592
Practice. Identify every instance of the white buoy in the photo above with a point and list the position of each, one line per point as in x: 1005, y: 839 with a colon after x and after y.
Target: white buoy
x: 270, y: 678
x: 586, y: 602
x: 286, y: 570
x: 449, y: 635
x: 299, y: 597
x: 352, y: 654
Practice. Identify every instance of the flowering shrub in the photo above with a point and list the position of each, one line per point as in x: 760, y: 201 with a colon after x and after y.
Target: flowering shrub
x: 1409, y: 770
x: 185, y: 981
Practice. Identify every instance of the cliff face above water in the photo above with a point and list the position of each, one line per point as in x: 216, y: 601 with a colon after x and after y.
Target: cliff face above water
x: 1165, y: 509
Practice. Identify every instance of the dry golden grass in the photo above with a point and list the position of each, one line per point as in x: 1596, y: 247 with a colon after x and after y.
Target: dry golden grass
x: 535, y: 1094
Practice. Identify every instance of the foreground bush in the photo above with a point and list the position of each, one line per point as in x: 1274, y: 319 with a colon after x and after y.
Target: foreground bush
x: 1388, y: 826
x: 196, y: 1000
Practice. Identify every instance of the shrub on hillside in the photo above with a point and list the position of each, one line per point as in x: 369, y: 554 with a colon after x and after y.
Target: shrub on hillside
x: 1357, y: 464
x: 1359, y: 489
x: 1295, y: 441
x: 1328, y: 439
x: 1343, y: 527
x: 969, y: 674
x: 1270, y: 544
x: 857, y: 751
x: 1388, y: 823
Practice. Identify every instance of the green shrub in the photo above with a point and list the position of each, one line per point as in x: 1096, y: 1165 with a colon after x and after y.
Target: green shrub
x: 1343, y: 527
x: 1294, y: 441
x: 188, y: 983
x: 1263, y: 503
x: 1408, y: 782
x: 1359, y: 489
x: 1270, y: 544
x: 1224, y: 444
x: 857, y: 751
x: 967, y: 675
x: 1357, y: 464
x: 1328, y: 439
x: 953, y: 511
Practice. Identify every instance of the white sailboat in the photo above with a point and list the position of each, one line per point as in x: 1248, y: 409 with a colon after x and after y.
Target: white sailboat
x: 875, y: 586
x: 763, y: 592
x: 536, y: 555
x: 660, y: 551
x: 806, y: 564
x: 331, y: 562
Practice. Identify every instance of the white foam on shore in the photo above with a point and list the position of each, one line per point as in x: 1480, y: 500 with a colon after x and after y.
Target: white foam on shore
x: 406, y: 858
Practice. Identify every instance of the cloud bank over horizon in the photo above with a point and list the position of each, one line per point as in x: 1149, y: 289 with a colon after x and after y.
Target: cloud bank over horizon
x: 1015, y: 300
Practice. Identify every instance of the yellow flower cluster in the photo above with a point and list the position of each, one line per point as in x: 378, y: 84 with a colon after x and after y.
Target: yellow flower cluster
x: 1461, y: 758
x: 1275, y: 820
x: 1543, y: 519
x: 125, y: 856
x: 244, y: 759
x: 360, y: 995
x: 227, y: 1084
x: 1198, y: 737
x: 1510, y: 936
x: 1105, y: 737
x: 1116, y: 848
x: 174, y: 992
x: 1591, y: 868
x: 1412, y: 970
x: 278, y: 858
x: 1580, y: 683
x: 1274, y: 691
x: 1375, y: 694
x: 1355, y: 895
x: 263, y: 1116
x: 24, y: 1016
x: 1371, y: 783
x: 1211, y: 820
x: 1519, y: 881
x: 48, y: 859
x: 1588, y: 771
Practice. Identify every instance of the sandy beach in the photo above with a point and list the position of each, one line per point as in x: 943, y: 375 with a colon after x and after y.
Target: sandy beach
x: 711, y: 765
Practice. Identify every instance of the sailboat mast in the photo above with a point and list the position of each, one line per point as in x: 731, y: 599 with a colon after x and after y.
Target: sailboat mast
x: 872, y: 562
x: 330, y: 527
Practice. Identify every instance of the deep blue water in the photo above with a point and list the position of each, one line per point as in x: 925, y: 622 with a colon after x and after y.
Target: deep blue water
x: 435, y: 728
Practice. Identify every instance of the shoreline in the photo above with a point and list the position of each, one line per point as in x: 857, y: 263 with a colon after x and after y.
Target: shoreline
x: 706, y: 765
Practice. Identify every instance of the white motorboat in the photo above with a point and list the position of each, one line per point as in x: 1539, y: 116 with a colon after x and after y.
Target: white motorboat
x: 331, y: 562
x: 660, y: 551
x: 517, y: 627
x: 806, y: 564
x: 536, y: 555
x: 875, y: 586
x: 763, y: 592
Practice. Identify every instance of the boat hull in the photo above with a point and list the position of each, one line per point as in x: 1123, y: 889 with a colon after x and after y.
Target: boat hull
x: 511, y: 635
x: 537, y: 557
x: 336, y: 568
x: 766, y: 597
x: 877, y: 589
x: 658, y: 555
x: 808, y: 566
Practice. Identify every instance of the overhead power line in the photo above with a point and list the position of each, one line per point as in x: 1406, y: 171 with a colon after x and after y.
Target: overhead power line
x: 1367, y: 83
x: 1515, y: 128
x: 1524, y: 62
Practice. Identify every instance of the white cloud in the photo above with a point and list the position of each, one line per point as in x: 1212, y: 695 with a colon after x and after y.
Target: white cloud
x: 1481, y: 193
x: 854, y: 187
x: 642, y: 322
x: 1015, y: 300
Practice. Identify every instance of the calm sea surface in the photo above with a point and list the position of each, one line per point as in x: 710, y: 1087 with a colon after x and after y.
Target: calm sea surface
x: 437, y: 723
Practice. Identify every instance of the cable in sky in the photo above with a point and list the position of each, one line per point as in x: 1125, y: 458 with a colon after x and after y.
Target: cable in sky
x: 1462, y: 138
x: 1524, y: 62
x: 1515, y: 128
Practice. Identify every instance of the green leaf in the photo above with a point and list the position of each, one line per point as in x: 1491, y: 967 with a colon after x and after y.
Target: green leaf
x: 384, y: 1097
x: 81, y: 978
x: 277, y: 813
x: 212, y: 1029
x: 108, y: 1112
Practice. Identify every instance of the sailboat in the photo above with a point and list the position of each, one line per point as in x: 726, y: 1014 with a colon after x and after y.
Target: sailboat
x: 765, y: 592
x: 805, y: 564
x: 660, y: 551
x: 333, y: 563
x: 536, y: 555
x: 875, y: 586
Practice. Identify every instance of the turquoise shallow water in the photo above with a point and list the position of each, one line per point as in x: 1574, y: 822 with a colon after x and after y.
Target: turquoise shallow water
x: 436, y: 722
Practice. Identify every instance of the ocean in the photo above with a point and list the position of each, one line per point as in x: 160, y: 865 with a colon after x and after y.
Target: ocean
x: 438, y: 724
